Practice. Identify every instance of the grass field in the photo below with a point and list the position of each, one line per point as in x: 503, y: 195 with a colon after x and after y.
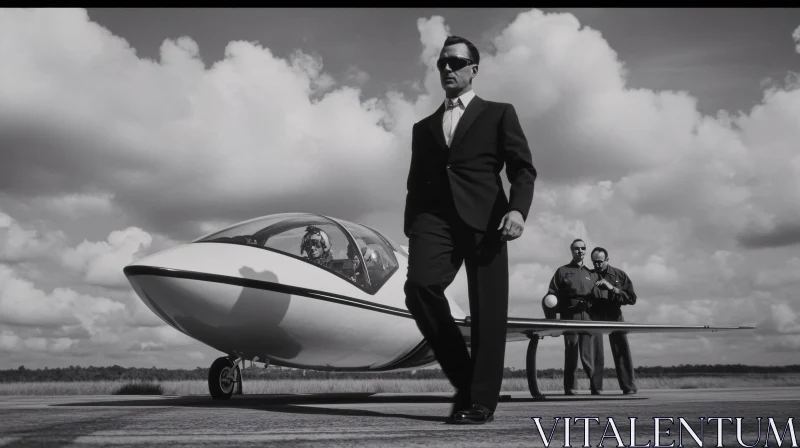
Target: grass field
x: 378, y: 385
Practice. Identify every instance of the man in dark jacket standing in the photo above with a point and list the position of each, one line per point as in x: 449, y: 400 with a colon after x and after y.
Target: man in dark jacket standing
x: 573, y: 285
x: 457, y: 212
x: 612, y: 290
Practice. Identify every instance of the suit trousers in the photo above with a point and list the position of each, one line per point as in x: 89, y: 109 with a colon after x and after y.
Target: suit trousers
x: 590, y: 348
x: 439, y: 243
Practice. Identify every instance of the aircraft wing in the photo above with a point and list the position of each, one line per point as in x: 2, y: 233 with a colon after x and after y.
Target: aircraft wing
x: 518, y: 329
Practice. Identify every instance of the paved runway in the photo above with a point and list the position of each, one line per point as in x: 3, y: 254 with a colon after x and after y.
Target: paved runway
x: 394, y: 420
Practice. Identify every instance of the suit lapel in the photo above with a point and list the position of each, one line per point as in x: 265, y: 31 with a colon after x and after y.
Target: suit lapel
x: 476, y: 106
x: 435, y: 123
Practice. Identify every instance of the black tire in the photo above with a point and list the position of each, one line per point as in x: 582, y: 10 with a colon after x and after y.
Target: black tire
x: 218, y: 385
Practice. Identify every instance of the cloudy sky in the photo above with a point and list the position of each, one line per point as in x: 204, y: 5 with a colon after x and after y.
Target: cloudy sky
x: 667, y: 136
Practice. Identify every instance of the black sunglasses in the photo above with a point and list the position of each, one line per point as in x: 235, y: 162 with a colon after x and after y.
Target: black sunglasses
x: 576, y: 248
x: 313, y: 243
x: 456, y: 63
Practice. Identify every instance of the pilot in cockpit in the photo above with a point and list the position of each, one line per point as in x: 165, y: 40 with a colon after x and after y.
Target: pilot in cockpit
x: 316, y: 245
x: 357, y: 273
x: 371, y: 258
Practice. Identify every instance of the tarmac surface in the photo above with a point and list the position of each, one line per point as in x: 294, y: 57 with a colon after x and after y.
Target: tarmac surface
x: 401, y: 420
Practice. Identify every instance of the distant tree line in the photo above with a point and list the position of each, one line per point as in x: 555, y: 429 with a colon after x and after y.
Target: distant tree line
x: 91, y: 373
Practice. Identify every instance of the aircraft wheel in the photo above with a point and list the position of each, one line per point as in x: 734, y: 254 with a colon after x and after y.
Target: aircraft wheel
x: 219, y: 384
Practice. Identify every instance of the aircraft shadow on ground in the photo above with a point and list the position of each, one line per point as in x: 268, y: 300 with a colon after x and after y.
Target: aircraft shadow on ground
x: 294, y: 403
x: 281, y: 403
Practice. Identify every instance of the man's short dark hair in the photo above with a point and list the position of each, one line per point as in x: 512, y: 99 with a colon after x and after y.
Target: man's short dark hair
x: 600, y: 249
x: 473, y: 51
x: 575, y: 241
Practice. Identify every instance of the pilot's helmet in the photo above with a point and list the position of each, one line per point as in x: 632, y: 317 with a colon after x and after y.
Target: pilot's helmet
x: 371, y: 256
x: 324, y: 239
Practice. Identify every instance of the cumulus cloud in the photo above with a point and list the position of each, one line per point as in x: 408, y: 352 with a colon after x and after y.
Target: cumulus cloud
x: 786, y: 275
x: 547, y: 238
x: 790, y: 344
x: 703, y: 310
x: 655, y: 271
x: 65, y: 324
x: 196, y: 355
x: 77, y: 205
x: 796, y: 37
x: 281, y: 128
x: 21, y: 303
x: 146, y: 347
x: 10, y: 342
x: 782, y: 319
x: 527, y: 284
x: 20, y: 242
x: 356, y: 75
x: 102, y: 262
x: 727, y: 263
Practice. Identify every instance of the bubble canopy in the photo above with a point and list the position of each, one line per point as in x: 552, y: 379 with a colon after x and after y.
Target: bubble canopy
x: 355, y: 252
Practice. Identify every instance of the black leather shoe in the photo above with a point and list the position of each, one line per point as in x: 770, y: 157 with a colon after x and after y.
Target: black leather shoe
x: 597, y: 392
x: 477, y: 414
x: 461, y: 402
x: 570, y: 392
x: 629, y: 392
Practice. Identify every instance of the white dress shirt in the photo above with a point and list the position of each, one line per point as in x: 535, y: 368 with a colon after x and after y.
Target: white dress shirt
x: 452, y: 116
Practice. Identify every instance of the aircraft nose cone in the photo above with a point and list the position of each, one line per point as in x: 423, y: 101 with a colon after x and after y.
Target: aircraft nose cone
x: 208, y: 290
x: 177, y: 284
x: 227, y: 296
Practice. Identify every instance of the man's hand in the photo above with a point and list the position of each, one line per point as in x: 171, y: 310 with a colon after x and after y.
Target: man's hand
x: 511, y: 226
x: 604, y: 285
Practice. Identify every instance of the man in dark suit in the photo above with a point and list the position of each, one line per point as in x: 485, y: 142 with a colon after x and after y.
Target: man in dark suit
x: 612, y: 290
x: 457, y: 212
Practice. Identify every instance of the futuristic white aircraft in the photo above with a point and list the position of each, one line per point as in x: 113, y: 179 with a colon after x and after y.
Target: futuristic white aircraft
x: 250, y: 292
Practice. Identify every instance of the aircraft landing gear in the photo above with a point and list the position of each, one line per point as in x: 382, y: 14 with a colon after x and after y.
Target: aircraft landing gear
x: 225, y: 378
x: 530, y: 366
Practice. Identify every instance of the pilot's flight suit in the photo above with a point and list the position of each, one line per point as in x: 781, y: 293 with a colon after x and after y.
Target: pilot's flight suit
x: 607, y: 307
x: 573, y: 285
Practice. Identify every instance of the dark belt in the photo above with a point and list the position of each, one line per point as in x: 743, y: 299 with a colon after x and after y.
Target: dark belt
x: 577, y: 303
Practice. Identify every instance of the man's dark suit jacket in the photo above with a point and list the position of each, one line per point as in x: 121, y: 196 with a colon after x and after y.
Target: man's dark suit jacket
x: 488, y: 136
x: 607, y: 304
